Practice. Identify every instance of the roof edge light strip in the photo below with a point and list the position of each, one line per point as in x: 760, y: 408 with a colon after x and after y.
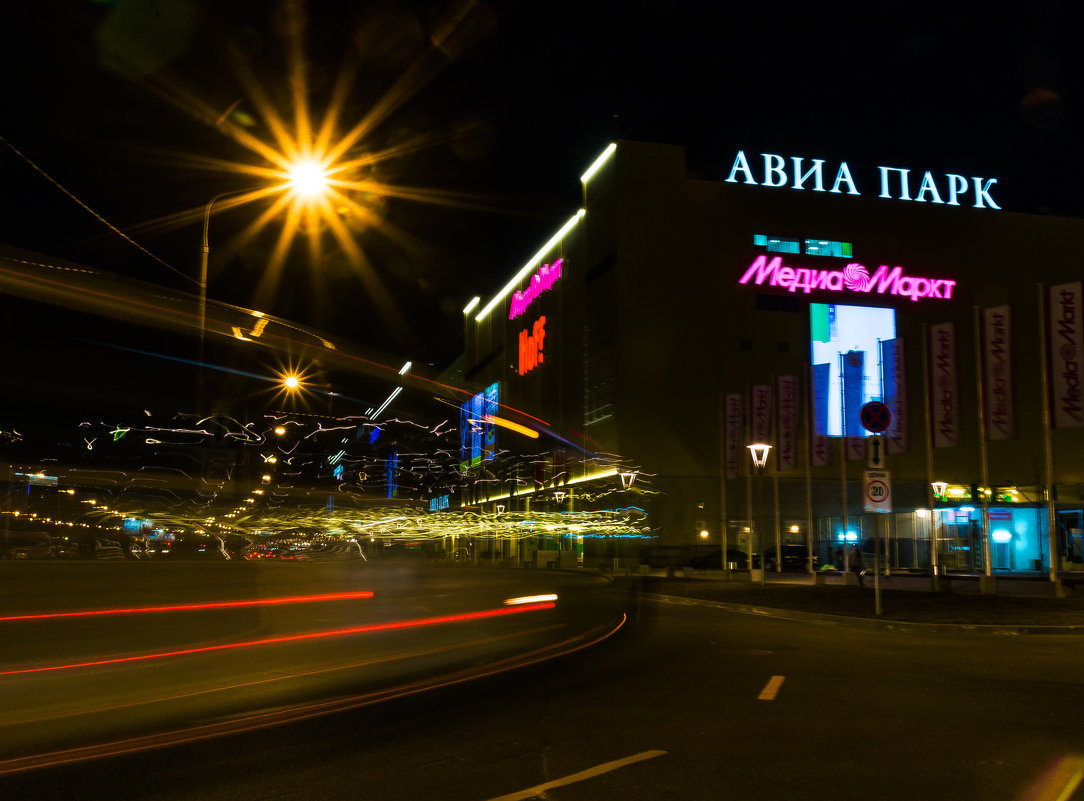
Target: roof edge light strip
x: 526, y: 269
x: 596, y: 165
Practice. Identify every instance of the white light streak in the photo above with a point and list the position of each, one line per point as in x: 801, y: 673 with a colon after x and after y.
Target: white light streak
x: 526, y: 269
x: 530, y: 599
x: 596, y: 165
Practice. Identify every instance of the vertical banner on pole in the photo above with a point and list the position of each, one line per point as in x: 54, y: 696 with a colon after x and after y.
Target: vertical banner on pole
x: 787, y: 416
x: 894, y: 370
x: 734, y: 445
x: 819, y: 377
x: 997, y: 372
x: 944, y: 397
x: 761, y: 413
x: 1066, y: 353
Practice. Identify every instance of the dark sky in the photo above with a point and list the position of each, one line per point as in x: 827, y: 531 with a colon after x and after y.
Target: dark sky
x: 510, y: 101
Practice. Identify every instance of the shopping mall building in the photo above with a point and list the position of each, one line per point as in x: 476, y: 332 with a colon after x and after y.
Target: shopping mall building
x: 673, y: 321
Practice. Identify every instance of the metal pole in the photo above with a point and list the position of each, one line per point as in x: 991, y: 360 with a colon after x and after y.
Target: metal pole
x: 984, y: 490
x: 1048, y: 445
x: 760, y: 506
x: 843, y: 500
x: 843, y: 468
x: 929, y: 445
x: 747, y: 406
x: 774, y: 428
x: 808, y: 475
x: 722, y: 486
x: 881, y: 521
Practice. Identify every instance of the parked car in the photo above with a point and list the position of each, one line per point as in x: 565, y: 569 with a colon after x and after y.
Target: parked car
x: 795, y: 557
x: 738, y: 559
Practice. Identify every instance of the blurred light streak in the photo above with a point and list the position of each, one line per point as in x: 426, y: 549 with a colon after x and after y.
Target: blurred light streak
x: 530, y: 599
x: 500, y: 421
x: 1059, y: 781
x: 396, y: 625
x: 293, y: 599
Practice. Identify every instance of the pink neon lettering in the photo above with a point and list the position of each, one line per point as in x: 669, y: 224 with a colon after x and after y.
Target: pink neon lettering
x: 855, y: 278
x: 763, y: 269
x: 542, y: 280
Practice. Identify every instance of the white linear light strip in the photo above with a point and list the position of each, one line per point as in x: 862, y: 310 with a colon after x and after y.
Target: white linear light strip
x: 474, y: 302
x: 384, y: 405
x: 525, y: 271
x: 597, y: 164
x: 394, y: 393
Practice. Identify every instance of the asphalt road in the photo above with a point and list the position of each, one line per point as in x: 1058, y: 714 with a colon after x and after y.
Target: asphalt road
x: 153, y: 655
x: 685, y: 702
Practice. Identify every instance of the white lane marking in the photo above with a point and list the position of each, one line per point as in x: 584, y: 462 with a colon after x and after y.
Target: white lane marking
x: 771, y: 688
x: 605, y: 767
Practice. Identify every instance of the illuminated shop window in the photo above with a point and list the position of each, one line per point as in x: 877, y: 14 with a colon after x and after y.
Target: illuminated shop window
x: 824, y: 247
x: 811, y: 247
x: 777, y: 244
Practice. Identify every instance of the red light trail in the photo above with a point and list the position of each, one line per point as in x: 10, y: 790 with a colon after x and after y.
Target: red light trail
x: 293, y: 599
x: 372, y: 627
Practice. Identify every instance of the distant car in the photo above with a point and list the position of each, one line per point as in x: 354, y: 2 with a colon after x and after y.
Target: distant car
x: 795, y: 557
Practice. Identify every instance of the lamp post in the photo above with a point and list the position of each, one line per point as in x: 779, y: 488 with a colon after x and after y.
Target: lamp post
x: 939, y: 488
x: 305, y: 178
x: 759, y: 453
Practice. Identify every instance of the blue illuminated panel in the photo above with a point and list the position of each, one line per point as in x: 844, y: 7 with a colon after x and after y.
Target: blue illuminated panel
x: 845, y: 346
x: 477, y: 436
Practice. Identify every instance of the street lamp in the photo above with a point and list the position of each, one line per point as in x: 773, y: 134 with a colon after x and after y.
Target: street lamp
x: 939, y: 489
x: 306, y: 178
x: 759, y: 453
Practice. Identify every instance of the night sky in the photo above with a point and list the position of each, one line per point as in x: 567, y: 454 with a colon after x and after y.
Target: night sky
x: 498, y: 107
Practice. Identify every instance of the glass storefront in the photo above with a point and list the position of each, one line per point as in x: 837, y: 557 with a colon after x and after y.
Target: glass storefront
x: 1018, y: 538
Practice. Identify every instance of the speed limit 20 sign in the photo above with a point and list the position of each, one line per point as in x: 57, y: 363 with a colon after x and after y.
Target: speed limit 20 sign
x: 877, y: 491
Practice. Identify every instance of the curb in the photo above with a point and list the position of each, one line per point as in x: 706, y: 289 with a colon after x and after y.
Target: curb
x: 867, y: 622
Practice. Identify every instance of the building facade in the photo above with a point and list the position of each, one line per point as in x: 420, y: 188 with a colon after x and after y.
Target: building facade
x: 673, y: 321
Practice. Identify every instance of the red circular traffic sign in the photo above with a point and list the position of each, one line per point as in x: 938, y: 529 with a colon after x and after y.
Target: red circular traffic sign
x: 875, y: 417
x: 877, y: 491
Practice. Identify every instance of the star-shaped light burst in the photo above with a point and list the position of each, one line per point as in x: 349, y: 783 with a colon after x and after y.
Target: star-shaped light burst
x: 318, y: 177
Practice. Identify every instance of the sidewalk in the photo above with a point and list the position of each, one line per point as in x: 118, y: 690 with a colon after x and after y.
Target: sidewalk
x: 1022, y: 602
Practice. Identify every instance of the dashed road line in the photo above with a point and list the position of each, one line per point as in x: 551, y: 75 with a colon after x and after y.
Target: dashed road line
x: 771, y: 689
x: 605, y: 767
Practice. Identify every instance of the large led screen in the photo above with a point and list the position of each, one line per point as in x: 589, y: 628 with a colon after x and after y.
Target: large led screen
x: 846, y: 347
x: 477, y: 433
